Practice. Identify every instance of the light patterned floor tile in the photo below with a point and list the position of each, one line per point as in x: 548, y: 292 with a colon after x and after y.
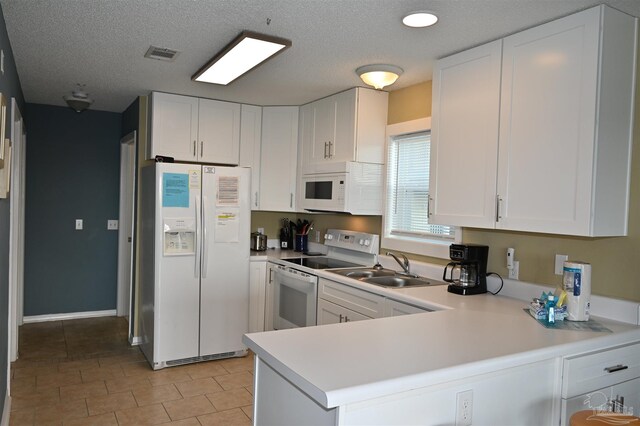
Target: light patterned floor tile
x: 235, y: 380
x: 169, y: 375
x: 205, y: 369
x: 22, y: 418
x: 188, y: 407
x: 230, y: 399
x: 248, y: 411
x: 149, y: 415
x: 109, y: 403
x: 237, y: 365
x: 56, y: 380
x: 107, y: 419
x: 81, y: 391
x: 126, y: 384
x: 199, y: 387
x: 233, y: 417
x: 156, y: 394
x: 192, y: 421
x: 34, y: 400
x: 55, y: 414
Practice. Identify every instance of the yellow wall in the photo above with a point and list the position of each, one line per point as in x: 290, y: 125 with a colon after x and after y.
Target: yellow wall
x: 410, y: 103
x: 613, y: 260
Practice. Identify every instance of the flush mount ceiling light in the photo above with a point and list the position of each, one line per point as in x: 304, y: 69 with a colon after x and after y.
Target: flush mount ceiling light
x: 78, y: 100
x: 379, y: 75
x: 420, y: 19
x: 243, y: 54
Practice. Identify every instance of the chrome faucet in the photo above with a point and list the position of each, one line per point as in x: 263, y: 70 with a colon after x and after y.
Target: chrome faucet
x: 404, y: 263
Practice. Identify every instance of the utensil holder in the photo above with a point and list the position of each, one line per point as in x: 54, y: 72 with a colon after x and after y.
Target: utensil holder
x: 302, y: 242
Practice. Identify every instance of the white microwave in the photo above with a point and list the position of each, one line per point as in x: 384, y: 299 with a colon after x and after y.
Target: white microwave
x: 354, y: 188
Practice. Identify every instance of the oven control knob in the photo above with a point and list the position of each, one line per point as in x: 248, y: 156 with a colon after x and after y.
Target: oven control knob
x: 367, y: 243
x: 361, y: 242
x: 328, y: 237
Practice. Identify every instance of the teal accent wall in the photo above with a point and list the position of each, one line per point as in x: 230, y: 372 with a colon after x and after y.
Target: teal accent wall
x: 73, y: 172
x: 10, y: 88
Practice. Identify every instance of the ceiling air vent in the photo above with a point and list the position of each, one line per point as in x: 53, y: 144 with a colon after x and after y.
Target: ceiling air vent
x: 161, y: 53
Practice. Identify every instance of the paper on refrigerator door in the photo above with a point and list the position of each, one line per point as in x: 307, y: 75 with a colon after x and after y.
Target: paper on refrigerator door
x: 175, y: 190
x: 227, y: 226
x: 228, y: 191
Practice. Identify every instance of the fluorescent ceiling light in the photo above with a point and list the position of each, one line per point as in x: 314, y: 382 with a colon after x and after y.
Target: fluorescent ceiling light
x: 379, y: 75
x: 420, y: 19
x: 246, y: 52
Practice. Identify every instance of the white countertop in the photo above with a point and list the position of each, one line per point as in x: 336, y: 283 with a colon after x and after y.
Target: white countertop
x: 345, y: 363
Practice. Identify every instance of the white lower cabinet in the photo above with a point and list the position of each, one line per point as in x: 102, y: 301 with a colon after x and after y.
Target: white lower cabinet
x: 337, y: 301
x: 330, y: 313
x: 394, y: 308
x: 257, y: 295
x: 594, y: 381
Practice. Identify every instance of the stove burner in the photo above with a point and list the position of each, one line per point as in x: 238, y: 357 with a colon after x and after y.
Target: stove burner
x: 321, y: 262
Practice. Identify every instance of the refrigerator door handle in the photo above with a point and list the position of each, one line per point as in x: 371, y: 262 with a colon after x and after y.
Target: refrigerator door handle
x: 196, y: 262
x: 205, y: 239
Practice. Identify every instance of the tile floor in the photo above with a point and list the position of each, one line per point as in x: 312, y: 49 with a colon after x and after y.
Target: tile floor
x: 83, y: 372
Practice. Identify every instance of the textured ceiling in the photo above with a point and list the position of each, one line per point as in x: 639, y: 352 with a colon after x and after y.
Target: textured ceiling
x: 101, y: 43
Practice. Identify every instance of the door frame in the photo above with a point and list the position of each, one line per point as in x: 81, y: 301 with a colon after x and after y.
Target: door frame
x: 126, y: 224
x: 16, y: 230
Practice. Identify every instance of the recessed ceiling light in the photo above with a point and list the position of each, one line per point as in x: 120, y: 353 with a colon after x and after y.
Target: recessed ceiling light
x: 420, y: 19
x: 244, y: 53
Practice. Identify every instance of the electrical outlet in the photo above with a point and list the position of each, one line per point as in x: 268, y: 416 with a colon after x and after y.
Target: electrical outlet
x: 515, y: 271
x: 464, y: 408
x: 112, y: 224
x: 260, y: 230
x: 560, y: 259
x: 78, y: 224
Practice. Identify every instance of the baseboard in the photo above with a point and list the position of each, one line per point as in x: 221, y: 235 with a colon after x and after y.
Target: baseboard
x: 68, y: 316
x: 135, y: 340
x: 6, y: 411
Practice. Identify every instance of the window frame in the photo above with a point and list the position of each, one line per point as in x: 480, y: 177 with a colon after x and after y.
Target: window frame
x: 422, y: 246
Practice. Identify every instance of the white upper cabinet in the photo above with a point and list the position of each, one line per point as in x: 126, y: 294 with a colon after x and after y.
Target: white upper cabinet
x: 464, y: 137
x: 193, y: 129
x: 564, y: 132
x: 219, y: 132
x: 250, y: 143
x: 348, y: 126
x: 278, y: 165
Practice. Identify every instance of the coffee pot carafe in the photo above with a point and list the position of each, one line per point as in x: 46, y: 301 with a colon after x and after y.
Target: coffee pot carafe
x: 467, y: 274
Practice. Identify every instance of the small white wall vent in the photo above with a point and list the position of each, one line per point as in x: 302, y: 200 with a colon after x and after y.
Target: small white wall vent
x: 161, y: 53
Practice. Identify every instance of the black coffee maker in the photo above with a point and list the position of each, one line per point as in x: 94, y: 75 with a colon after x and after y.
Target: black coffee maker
x: 467, y: 274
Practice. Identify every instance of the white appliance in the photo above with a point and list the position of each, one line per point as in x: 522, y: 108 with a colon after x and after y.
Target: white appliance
x: 194, y: 286
x: 346, y: 187
x: 295, y: 286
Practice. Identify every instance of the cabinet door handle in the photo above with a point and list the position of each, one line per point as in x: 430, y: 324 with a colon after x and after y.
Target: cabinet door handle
x: 346, y: 318
x: 201, y: 148
x: 324, y: 154
x: 291, y: 200
x: 256, y: 202
x: 429, y: 206
x: 194, y: 148
x: 341, y: 318
x: 498, y: 205
x: 330, y: 145
x: 615, y: 368
x: 270, y: 278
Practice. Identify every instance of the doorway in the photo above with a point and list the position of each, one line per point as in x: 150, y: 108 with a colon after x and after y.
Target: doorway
x: 126, y: 228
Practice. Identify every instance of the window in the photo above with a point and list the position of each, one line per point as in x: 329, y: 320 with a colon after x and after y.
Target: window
x: 406, y: 224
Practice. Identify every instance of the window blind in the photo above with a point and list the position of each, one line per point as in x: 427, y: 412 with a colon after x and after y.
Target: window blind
x: 408, y: 188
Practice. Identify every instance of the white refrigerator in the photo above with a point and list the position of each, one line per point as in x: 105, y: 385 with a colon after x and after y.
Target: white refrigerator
x: 194, y: 283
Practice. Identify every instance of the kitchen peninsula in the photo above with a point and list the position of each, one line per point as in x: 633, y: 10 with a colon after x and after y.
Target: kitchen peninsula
x: 412, y: 369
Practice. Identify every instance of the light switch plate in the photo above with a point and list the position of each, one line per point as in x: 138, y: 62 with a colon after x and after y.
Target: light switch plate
x: 112, y: 224
x: 78, y: 224
x: 560, y: 259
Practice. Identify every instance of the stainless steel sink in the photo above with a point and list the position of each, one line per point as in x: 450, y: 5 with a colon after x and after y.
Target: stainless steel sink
x: 384, y: 277
x: 358, y: 274
x: 398, y: 281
